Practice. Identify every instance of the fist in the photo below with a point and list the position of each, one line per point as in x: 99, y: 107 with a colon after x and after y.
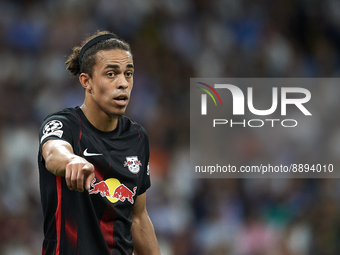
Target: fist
x: 79, y: 173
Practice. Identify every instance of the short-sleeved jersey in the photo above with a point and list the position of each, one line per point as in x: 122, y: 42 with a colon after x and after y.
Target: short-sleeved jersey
x: 97, y: 221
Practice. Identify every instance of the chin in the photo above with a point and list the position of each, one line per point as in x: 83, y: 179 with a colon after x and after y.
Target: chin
x: 117, y: 112
x: 115, y: 115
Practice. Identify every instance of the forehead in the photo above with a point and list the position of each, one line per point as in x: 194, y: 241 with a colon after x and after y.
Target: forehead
x: 116, y: 57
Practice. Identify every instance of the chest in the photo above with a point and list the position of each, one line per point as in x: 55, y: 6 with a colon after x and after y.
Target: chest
x: 119, y: 163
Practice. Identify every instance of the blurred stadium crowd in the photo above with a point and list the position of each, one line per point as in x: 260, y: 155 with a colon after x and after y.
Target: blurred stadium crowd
x: 173, y: 41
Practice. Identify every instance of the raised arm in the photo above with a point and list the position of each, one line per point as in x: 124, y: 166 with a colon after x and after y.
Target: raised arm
x: 60, y: 160
x: 144, y: 238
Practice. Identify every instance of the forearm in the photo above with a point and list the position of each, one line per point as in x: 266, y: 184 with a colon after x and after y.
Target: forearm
x: 61, y: 161
x: 144, y: 238
x: 57, y: 155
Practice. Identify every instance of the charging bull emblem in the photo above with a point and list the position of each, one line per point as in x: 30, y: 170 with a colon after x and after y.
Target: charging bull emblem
x: 113, y: 190
x: 101, y: 187
x: 122, y: 193
x: 133, y: 164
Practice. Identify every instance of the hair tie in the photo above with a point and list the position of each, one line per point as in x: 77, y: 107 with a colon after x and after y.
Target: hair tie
x: 93, y: 42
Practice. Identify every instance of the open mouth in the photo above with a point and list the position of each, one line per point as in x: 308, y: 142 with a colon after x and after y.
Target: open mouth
x: 121, y: 99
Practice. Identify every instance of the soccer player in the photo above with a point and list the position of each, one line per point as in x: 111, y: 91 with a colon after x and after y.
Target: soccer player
x: 93, y: 161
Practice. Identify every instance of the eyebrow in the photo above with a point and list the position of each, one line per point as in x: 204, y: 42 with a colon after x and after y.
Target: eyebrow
x: 118, y: 67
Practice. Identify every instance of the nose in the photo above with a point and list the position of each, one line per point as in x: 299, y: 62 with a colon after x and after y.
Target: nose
x: 122, y: 82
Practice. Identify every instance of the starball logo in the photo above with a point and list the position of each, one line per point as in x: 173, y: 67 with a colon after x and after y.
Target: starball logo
x: 238, y: 105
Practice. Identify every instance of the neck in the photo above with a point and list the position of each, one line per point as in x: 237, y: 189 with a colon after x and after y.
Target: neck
x: 99, y: 119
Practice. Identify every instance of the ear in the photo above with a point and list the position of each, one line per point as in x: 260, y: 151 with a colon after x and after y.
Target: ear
x: 85, y: 81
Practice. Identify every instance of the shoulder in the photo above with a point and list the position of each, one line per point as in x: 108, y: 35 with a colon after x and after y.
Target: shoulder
x: 59, y: 125
x: 129, y: 125
x: 66, y: 116
x: 67, y: 113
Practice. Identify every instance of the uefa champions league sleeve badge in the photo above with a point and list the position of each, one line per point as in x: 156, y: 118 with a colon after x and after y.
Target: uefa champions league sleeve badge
x: 52, y: 127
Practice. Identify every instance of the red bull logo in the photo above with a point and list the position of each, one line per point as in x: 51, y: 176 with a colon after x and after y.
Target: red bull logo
x: 122, y: 193
x: 113, y: 190
x: 100, y: 187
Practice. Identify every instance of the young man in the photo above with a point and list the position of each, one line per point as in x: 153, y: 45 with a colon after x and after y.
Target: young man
x: 93, y: 161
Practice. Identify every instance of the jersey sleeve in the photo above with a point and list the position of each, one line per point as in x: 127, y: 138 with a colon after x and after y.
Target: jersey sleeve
x: 146, y: 183
x: 55, y: 127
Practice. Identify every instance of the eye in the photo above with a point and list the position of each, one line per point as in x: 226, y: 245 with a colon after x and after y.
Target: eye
x: 110, y: 74
x: 128, y: 74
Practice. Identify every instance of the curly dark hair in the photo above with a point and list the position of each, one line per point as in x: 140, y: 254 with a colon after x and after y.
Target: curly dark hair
x: 89, y: 58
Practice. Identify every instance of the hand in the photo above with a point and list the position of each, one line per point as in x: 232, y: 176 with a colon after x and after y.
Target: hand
x: 79, y: 173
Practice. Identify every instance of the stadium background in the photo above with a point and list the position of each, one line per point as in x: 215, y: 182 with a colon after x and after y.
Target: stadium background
x: 172, y: 41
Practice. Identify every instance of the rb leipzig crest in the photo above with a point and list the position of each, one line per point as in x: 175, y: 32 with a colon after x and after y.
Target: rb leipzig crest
x: 133, y: 164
